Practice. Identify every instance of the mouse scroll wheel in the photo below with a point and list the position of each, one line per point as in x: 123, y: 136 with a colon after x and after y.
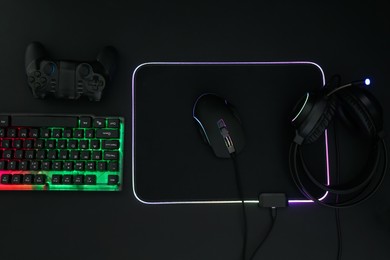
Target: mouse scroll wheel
x: 224, y: 131
x: 227, y: 139
x: 222, y: 127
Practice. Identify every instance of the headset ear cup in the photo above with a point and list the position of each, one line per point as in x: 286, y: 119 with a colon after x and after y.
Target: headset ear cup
x: 322, y: 123
x: 344, y: 117
x: 358, y: 113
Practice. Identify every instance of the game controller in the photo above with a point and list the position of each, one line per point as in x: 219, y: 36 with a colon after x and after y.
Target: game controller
x: 68, y: 79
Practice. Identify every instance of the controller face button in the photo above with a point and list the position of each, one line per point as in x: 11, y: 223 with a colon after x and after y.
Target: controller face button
x: 93, y: 87
x: 43, y: 80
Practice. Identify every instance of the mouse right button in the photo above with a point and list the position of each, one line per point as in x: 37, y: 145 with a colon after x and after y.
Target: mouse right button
x: 234, y: 111
x: 202, y: 131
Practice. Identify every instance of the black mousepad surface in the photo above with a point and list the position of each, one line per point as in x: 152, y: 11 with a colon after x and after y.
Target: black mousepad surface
x: 171, y: 163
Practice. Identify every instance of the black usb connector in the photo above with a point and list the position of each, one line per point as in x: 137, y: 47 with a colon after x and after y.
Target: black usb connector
x: 271, y: 201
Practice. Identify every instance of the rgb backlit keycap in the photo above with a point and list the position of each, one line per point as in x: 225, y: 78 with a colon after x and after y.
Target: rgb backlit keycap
x: 64, y: 152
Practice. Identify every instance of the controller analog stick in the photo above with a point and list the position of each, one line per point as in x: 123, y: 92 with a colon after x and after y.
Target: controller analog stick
x: 49, y: 68
x: 85, y: 70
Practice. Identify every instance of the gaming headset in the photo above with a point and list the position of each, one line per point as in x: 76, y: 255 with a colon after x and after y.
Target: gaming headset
x: 312, y: 116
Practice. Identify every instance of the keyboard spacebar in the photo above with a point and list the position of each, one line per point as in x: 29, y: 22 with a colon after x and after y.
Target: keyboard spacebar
x: 45, y: 121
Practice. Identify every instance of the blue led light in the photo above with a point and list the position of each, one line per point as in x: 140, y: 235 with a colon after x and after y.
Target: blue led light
x: 367, y: 82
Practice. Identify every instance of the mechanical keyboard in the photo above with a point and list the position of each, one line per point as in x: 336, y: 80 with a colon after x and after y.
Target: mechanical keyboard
x: 61, y: 152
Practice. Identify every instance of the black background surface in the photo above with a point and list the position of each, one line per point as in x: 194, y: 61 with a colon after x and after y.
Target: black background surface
x: 347, y: 38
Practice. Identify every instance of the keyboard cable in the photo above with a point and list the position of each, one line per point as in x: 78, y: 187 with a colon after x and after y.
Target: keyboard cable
x: 240, y: 194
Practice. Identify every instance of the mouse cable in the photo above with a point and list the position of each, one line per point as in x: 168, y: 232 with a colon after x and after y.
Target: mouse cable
x: 273, y: 212
x: 273, y: 201
x: 266, y: 200
x: 240, y: 194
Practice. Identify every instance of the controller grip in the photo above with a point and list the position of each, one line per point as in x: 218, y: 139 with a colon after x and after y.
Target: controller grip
x: 34, y: 52
x: 107, y: 57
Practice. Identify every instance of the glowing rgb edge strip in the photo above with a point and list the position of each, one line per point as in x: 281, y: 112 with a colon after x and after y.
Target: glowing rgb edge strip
x: 290, y: 201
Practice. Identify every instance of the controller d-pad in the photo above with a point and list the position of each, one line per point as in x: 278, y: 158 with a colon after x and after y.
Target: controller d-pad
x: 31, y: 79
x: 37, y: 80
x: 93, y: 85
x: 93, y: 82
x: 37, y: 85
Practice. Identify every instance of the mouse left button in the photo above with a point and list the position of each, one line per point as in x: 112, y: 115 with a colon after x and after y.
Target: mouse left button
x: 233, y: 109
x: 203, y: 134
x: 202, y: 131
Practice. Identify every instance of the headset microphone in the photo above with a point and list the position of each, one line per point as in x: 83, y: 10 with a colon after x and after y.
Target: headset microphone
x: 357, y: 83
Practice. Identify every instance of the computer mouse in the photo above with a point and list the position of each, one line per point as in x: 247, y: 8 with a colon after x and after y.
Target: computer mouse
x: 220, y: 125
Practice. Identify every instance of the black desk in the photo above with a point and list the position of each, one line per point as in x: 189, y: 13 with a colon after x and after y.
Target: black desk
x: 345, y: 39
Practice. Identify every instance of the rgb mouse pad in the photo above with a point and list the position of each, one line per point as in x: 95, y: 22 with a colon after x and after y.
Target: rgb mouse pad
x: 172, y: 164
